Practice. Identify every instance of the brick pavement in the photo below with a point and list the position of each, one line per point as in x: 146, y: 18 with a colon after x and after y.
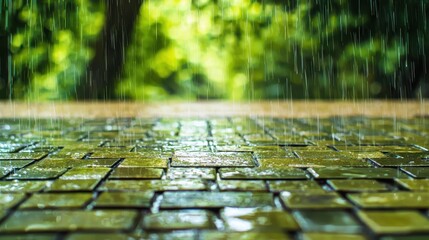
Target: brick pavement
x: 214, y: 178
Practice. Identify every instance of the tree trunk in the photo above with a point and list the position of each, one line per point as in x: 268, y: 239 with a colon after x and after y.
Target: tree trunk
x: 4, y: 67
x: 5, y: 54
x: 408, y: 78
x: 102, y: 73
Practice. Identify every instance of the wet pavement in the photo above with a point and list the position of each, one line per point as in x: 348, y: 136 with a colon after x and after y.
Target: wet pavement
x: 214, y: 178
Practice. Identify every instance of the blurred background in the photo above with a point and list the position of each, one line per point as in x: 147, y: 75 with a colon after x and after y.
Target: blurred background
x: 213, y: 49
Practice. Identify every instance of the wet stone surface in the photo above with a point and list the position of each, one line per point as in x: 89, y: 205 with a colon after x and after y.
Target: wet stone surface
x: 61, y: 220
x: 391, y: 200
x: 179, y: 219
x: 5, y: 171
x: 72, y: 163
x: 198, y: 199
x: 155, y: 185
x: 35, y: 236
x: 125, y: 199
x: 85, y: 173
x: 136, y: 173
x: 311, y: 200
x: 388, y: 222
x: 295, y: 186
x: 417, y: 172
x: 347, y: 172
x: 37, y: 174
x: 275, y: 235
x: 334, y: 221
x: 21, y: 156
x: 22, y: 186
x: 72, y: 185
x: 91, y: 236
x: 15, y: 164
x: 328, y: 236
x: 414, y: 184
x: 401, y: 162
x: 241, y: 185
x: 203, y: 159
x: 144, y: 162
x: 193, y: 173
x: 9, y: 200
x: 247, y: 219
x: 258, y: 173
x: 357, y: 185
x: 214, y: 178
x: 52, y: 200
x: 314, y: 162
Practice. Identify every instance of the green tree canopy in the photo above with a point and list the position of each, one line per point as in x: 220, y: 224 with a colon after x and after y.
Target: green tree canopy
x: 221, y: 49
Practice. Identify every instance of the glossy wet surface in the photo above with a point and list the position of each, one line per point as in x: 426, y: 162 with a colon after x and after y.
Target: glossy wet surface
x: 214, y: 178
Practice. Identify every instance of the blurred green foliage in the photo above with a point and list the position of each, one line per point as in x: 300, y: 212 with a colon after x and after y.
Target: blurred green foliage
x: 228, y: 49
x: 51, y: 45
